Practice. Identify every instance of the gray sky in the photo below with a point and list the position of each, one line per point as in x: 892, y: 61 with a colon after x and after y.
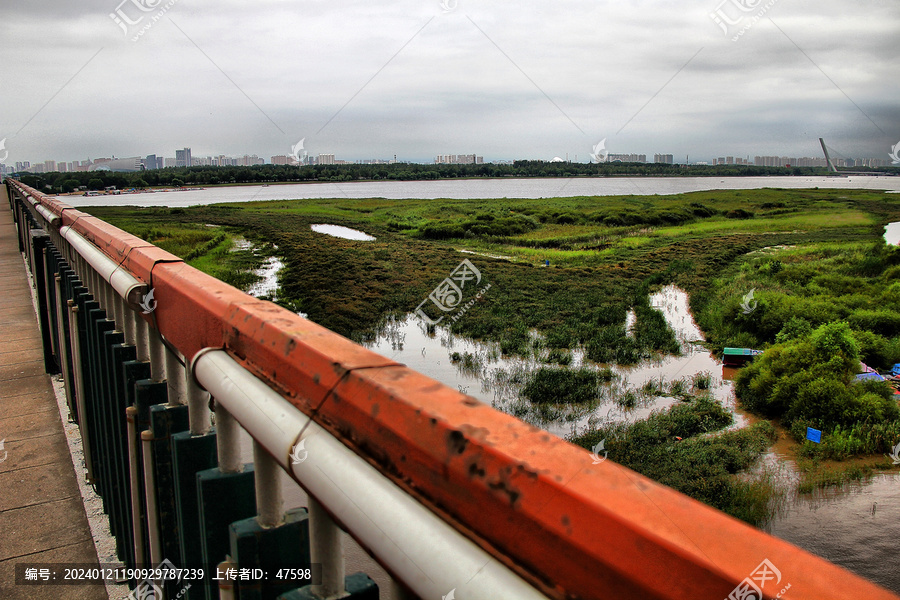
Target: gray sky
x: 505, y: 80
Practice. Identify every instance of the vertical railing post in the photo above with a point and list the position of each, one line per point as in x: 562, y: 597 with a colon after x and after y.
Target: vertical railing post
x: 126, y: 320
x: 78, y: 365
x: 269, y: 496
x: 198, y: 403
x: 62, y: 334
x: 228, y: 447
x: 150, y: 494
x: 48, y: 297
x: 133, y: 458
x: 327, y: 549
x: 109, y: 295
x: 226, y: 584
x: 141, y: 334
x: 157, y: 356
x: 175, y: 379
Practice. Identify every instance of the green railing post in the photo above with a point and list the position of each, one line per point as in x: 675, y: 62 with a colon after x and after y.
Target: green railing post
x: 166, y: 422
x: 359, y: 586
x: 190, y: 455
x: 270, y: 548
x: 215, y: 516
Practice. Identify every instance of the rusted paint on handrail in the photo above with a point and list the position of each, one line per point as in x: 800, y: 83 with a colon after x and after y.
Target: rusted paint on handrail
x: 535, y: 502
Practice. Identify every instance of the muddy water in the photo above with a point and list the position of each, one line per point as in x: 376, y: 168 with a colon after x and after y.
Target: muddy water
x: 486, y: 374
x: 837, y: 524
x: 268, y: 285
x: 856, y: 527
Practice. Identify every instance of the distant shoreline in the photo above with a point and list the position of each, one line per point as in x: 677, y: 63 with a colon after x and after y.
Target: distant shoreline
x: 166, y: 189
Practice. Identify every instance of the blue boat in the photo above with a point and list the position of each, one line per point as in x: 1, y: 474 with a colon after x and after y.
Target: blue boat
x: 739, y: 356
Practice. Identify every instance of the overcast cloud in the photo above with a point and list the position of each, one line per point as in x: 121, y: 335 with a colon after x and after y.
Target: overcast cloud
x: 506, y: 80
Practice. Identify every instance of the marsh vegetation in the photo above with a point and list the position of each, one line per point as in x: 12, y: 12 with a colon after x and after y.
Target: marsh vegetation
x: 825, y: 295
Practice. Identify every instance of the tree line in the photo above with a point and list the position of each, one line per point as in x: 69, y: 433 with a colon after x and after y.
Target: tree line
x: 207, y: 176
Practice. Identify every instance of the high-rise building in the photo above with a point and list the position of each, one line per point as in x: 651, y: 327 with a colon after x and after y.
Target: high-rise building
x: 326, y: 159
x: 150, y: 162
x: 458, y: 159
x: 281, y: 159
x: 121, y: 165
x: 183, y: 158
x: 783, y: 161
x: 627, y: 158
x: 666, y: 159
x: 870, y: 162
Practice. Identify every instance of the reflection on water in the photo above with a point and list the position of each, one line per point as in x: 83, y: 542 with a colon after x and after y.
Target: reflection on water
x: 342, y: 232
x: 856, y: 526
x: 268, y: 286
x: 630, y: 321
x: 674, y: 305
x: 480, y: 370
x: 892, y: 233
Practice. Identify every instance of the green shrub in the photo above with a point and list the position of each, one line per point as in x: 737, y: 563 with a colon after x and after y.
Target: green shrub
x: 811, y: 380
x: 702, y: 467
x: 884, y: 322
x: 796, y: 327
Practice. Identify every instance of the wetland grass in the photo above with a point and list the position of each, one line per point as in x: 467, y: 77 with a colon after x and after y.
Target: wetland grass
x: 813, y: 257
x: 704, y: 467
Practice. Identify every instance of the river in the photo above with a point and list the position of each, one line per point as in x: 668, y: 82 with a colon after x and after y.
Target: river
x: 481, y: 188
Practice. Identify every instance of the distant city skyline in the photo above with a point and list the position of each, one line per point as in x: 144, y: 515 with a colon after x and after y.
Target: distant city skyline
x: 183, y: 155
x: 504, y: 80
x: 186, y: 157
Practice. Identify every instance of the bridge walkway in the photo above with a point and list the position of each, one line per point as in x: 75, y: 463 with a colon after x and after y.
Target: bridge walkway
x: 42, y: 515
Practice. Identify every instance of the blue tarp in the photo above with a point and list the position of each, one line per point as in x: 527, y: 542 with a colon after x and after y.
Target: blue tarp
x: 896, y: 370
x: 874, y: 376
